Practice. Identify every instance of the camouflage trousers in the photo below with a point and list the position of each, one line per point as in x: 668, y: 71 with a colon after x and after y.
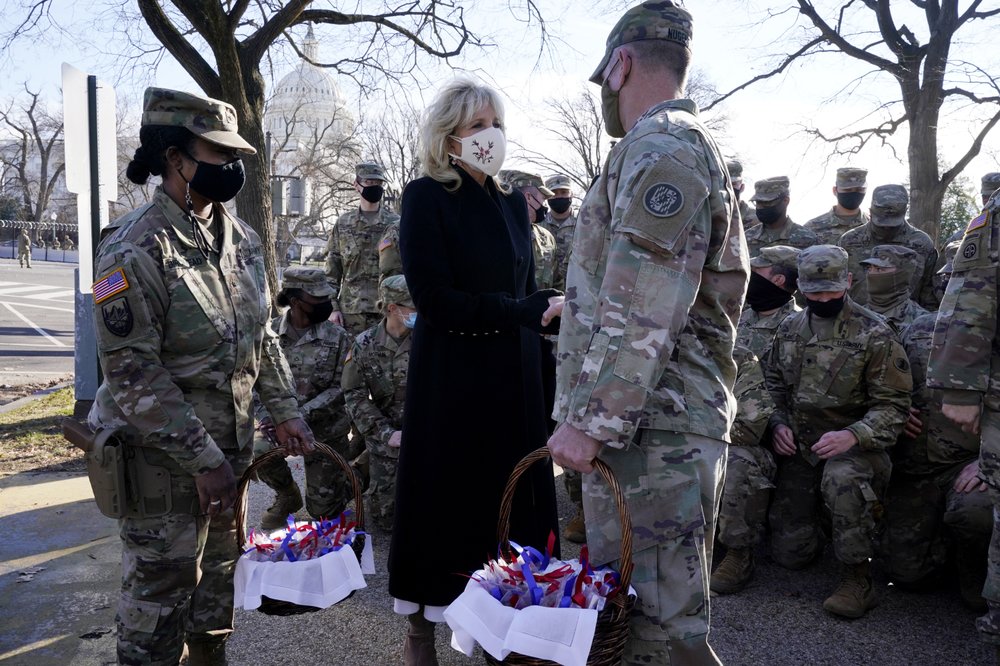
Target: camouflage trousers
x: 850, y: 486
x: 24, y: 257
x: 177, y: 576
x: 328, y: 490
x: 672, y: 482
x: 923, y: 513
x: 750, y: 472
x: 573, y: 481
x: 380, y: 498
x: 989, y: 470
x: 358, y: 323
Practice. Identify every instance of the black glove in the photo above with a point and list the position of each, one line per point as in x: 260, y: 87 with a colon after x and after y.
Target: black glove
x: 528, y: 311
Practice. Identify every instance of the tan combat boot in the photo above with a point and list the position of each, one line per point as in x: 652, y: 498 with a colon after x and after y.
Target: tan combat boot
x: 418, y: 649
x: 855, y: 594
x: 576, y: 529
x: 288, y: 500
x: 734, y: 572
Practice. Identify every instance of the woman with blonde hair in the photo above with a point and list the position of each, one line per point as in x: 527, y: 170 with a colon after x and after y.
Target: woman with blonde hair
x: 474, y: 402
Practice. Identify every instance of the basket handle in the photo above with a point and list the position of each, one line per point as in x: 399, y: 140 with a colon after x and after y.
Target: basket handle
x: 281, y: 453
x: 503, y: 526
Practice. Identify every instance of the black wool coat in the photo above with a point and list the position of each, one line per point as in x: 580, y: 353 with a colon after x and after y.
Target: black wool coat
x: 474, y: 399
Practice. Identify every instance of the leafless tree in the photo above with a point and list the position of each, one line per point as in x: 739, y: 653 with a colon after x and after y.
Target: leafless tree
x: 929, y: 82
x: 33, y: 160
x: 390, y: 137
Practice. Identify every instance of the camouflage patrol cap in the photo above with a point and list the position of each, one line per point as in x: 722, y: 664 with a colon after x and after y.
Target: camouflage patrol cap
x: 310, y: 280
x: 889, y: 205
x: 394, y: 290
x: 777, y: 255
x: 822, y: 268
x: 369, y: 170
x: 735, y: 168
x: 949, y: 251
x: 770, y: 189
x: 990, y: 183
x: 559, y: 181
x: 851, y: 177
x: 519, y: 179
x: 891, y: 256
x: 661, y: 19
x: 211, y: 119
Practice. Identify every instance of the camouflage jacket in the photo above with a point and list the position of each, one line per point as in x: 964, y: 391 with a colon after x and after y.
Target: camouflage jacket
x: 855, y: 378
x: 859, y: 244
x: 941, y: 443
x: 353, y: 262
x: 389, y: 262
x: 184, y: 341
x: 748, y: 214
x: 829, y: 226
x: 375, y: 386
x: 901, y: 315
x: 789, y: 233
x: 755, y: 332
x: 23, y: 244
x: 657, y: 276
x: 543, y: 247
x: 965, y: 357
x: 316, y: 360
x: 563, y: 231
x: 754, y: 403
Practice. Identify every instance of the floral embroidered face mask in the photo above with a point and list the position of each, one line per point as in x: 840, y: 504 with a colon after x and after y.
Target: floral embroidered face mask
x: 484, y: 150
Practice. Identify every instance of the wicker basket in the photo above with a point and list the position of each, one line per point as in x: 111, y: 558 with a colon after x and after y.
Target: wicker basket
x: 276, y: 606
x: 612, y: 622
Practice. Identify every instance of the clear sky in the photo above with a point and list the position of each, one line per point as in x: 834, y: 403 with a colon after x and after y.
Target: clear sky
x: 732, y: 43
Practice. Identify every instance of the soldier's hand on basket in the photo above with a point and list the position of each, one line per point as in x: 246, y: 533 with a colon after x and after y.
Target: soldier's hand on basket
x: 216, y: 489
x: 295, y: 437
x: 266, y: 427
x: 573, y: 448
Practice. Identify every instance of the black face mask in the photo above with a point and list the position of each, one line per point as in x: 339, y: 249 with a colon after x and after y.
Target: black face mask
x: 826, y: 309
x: 218, y: 182
x: 372, y: 193
x: 850, y: 200
x: 764, y: 295
x: 540, y: 214
x: 771, y: 214
x: 318, y: 312
x: 560, y: 205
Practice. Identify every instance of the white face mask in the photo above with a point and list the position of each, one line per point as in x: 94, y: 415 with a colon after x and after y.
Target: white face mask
x: 484, y: 150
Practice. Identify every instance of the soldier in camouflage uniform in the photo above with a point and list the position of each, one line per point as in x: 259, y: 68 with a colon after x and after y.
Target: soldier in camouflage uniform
x: 841, y: 387
x: 965, y: 366
x: 941, y: 277
x: 747, y: 213
x: 889, y: 273
x: 935, y: 496
x: 375, y: 387
x: 543, y: 243
x: 24, y: 248
x: 846, y: 214
x: 561, y: 223
x: 773, y: 281
x: 989, y: 184
x: 776, y: 227
x: 656, y: 279
x: 750, y: 472
x: 315, y: 350
x: 888, y: 226
x: 181, y: 311
x: 353, y: 260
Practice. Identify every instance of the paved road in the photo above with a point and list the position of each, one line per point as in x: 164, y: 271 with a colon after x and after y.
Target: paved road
x: 36, y: 322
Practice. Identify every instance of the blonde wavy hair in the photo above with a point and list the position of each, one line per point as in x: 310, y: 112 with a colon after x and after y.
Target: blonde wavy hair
x: 454, y: 106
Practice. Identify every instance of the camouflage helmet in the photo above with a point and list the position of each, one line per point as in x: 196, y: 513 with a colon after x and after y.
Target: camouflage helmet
x: 777, y: 255
x: 310, y: 280
x: 211, y: 119
x: 851, y: 177
x: 519, y: 179
x: 990, y: 183
x: 889, y: 204
x: 735, y: 168
x: 823, y: 268
x: 891, y: 256
x: 369, y: 171
x: 558, y: 181
x: 770, y: 189
x: 394, y: 290
x: 654, y: 19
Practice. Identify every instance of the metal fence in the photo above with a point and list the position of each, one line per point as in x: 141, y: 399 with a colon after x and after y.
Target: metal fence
x: 8, y: 250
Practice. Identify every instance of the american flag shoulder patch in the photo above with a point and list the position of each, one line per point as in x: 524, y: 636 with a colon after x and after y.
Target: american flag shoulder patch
x: 109, y: 285
x: 977, y: 222
x: 385, y: 243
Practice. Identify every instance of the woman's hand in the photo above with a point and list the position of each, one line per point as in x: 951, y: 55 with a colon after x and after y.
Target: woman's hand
x: 554, y: 310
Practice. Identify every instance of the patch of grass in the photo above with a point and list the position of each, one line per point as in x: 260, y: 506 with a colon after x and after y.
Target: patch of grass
x: 31, y: 436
